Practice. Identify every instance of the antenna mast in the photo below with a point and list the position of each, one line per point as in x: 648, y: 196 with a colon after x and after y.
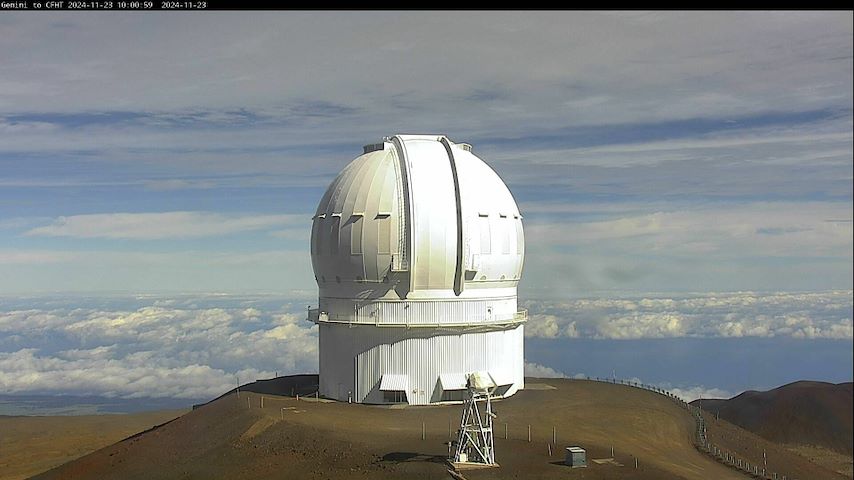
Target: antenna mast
x: 475, y: 442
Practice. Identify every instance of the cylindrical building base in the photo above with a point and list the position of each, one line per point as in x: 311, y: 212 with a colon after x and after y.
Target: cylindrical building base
x: 419, y: 366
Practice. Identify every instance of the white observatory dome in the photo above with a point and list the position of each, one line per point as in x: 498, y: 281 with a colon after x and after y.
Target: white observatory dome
x: 442, y: 226
x: 420, y: 234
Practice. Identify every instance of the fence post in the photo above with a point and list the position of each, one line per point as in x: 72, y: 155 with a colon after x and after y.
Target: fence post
x: 529, y: 433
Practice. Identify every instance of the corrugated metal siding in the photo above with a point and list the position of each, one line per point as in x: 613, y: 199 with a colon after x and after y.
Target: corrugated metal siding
x: 421, y: 356
x: 429, y: 312
x: 439, y: 311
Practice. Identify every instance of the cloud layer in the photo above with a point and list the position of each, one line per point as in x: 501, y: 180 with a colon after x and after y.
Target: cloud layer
x: 722, y: 315
x: 168, y: 348
x: 198, y: 346
x: 150, y: 226
x: 687, y: 393
x: 650, y: 151
x: 722, y: 63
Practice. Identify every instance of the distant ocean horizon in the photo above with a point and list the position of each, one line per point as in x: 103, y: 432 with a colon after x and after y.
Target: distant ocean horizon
x: 730, y: 365
x: 58, y: 404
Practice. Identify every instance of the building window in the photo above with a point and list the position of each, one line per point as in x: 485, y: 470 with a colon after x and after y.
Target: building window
x: 453, y: 395
x: 394, y: 396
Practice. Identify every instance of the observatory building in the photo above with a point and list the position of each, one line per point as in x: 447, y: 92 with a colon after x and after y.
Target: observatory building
x: 417, y: 249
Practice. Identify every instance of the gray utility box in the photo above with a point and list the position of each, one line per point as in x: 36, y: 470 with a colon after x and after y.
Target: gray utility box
x: 576, y: 457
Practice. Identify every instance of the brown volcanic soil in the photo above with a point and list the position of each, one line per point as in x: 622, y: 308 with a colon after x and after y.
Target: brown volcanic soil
x: 800, y: 413
x: 29, y: 445
x: 749, y: 446
x: 234, y: 438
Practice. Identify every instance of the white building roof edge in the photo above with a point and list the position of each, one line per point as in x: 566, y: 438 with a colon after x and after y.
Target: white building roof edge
x: 394, y: 382
x: 452, y: 381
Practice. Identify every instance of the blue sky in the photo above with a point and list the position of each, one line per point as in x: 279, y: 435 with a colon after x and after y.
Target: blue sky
x: 678, y: 153
x: 648, y: 151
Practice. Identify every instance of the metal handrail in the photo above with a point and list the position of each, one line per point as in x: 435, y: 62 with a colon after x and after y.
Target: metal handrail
x: 317, y: 316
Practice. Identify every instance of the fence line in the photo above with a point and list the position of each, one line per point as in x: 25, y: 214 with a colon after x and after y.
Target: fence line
x: 701, y: 442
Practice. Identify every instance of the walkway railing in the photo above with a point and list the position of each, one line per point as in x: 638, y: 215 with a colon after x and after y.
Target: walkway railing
x: 498, y: 322
x: 701, y: 441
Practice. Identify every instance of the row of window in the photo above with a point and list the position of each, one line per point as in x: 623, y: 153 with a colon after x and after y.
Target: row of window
x: 394, y: 396
x: 330, y: 227
x: 505, y: 244
x: 399, y: 396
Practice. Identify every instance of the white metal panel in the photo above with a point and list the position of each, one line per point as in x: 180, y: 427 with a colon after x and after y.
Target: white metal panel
x: 423, y: 356
x: 434, y: 227
x: 436, y: 311
x: 452, y: 381
x: 391, y: 382
x: 490, y: 218
x: 373, y: 183
x: 361, y: 202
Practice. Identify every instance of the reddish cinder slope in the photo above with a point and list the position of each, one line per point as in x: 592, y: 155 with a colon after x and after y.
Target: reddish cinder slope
x: 237, y: 438
x: 800, y: 413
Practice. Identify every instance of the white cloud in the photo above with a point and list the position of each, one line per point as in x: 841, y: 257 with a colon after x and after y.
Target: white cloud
x: 767, y: 229
x: 25, y: 371
x: 34, y: 257
x: 786, y: 246
x: 238, y: 271
x: 152, y: 351
x: 739, y: 106
x: 713, y: 315
x: 148, y: 226
x: 196, y: 346
x: 678, y: 64
x: 689, y: 394
x: 762, y: 146
x: 178, y: 184
x: 540, y: 371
